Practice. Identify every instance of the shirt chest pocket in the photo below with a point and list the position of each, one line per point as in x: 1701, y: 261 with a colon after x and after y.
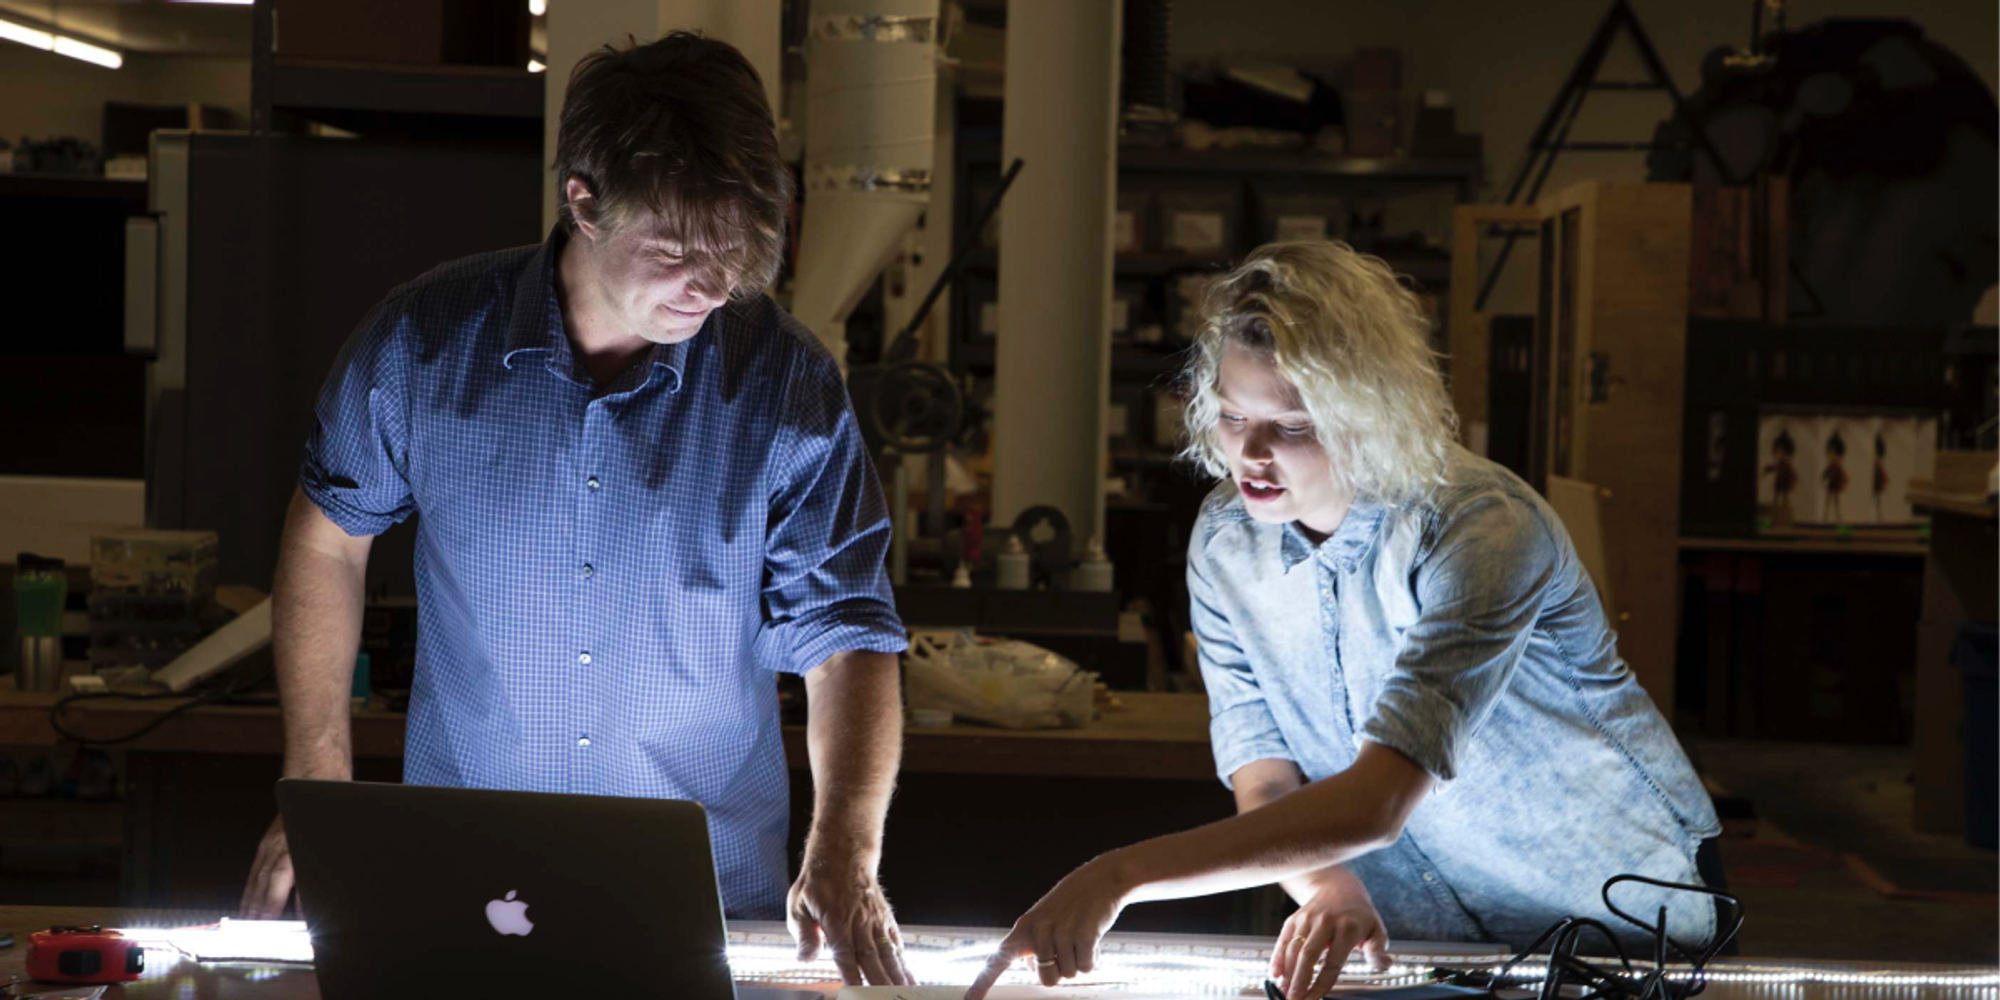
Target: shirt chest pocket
x: 1397, y: 601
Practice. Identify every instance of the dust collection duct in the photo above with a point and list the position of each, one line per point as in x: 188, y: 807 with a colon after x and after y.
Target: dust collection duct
x: 871, y: 94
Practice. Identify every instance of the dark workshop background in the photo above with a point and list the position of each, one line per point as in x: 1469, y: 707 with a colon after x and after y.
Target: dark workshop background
x: 1816, y: 262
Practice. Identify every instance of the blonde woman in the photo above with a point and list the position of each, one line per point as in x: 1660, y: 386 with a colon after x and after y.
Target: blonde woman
x: 1415, y: 695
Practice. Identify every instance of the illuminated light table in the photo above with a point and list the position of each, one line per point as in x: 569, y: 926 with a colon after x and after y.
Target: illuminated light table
x: 1193, y: 965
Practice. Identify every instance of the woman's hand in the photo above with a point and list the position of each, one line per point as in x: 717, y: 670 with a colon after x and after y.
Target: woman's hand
x: 1061, y: 930
x: 1336, y: 919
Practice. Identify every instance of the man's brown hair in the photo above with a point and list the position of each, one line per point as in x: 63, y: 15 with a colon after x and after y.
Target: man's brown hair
x: 679, y: 127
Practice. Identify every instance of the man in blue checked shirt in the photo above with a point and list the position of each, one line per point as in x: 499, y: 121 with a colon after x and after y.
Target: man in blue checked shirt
x: 642, y: 492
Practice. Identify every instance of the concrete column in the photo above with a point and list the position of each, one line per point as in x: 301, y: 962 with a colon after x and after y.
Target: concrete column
x: 1051, y: 379
x: 579, y: 27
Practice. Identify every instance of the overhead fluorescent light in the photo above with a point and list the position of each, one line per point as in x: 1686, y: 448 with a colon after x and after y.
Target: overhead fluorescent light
x: 538, y: 7
x: 27, y: 36
x: 535, y: 66
x: 60, y: 44
x: 88, y: 53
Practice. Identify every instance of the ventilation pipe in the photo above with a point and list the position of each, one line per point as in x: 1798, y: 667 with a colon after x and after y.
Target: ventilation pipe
x: 871, y: 97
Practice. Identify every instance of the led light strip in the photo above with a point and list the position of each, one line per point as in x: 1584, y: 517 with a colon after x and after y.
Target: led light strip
x: 1229, y: 971
x: 61, y: 45
x: 283, y: 941
x: 944, y: 958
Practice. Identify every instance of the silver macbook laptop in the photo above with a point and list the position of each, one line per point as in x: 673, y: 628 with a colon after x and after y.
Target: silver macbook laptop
x: 412, y: 891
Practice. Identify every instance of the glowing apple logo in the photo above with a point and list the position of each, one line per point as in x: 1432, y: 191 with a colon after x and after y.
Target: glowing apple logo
x: 509, y: 916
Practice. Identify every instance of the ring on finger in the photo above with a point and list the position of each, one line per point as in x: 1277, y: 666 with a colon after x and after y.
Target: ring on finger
x: 1044, y: 962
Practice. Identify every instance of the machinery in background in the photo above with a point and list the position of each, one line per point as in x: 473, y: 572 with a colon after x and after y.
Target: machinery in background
x: 152, y: 598
x: 871, y: 107
x: 1880, y: 147
x: 911, y: 407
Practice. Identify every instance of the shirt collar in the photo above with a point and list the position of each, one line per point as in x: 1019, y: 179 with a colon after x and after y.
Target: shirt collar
x: 537, y: 321
x: 1345, y: 548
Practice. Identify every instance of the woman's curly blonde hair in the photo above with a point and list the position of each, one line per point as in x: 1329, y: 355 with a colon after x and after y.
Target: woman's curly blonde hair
x: 1356, y: 345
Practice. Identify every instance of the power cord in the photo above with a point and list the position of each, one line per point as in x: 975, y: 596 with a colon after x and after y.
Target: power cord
x: 230, y: 693
x: 1624, y: 982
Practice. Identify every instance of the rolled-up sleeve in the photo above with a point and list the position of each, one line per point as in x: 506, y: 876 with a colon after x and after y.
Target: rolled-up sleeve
x: 826, y: 589
x: 1241, y: 728
x: 356, y: 466
x: 1479, y: 591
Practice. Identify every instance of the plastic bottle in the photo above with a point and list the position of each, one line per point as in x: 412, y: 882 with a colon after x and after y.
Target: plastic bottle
x: 1011, y: 566
x: 40, y: 587
x: 1094, y: 572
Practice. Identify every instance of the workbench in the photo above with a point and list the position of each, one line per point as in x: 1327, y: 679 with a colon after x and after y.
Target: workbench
x: 759, y: 955
x: 1150, y: 736
x: 983, y: 822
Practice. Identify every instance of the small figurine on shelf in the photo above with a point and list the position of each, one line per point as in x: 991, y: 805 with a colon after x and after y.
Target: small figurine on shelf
x: 1834, y: 476
x: 1784, y: 477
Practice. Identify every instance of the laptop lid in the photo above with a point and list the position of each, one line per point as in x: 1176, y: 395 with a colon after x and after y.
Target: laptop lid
x: 414, y: 891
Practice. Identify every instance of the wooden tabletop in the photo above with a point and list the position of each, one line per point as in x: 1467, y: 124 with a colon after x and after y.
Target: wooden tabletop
x: 1161, y: 736
x: 1967, y: 504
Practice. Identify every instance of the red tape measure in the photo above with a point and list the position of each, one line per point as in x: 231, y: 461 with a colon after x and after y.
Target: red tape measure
x: 84, y: 955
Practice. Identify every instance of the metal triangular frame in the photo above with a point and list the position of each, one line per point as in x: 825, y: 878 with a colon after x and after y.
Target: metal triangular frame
x: 1551, y: 137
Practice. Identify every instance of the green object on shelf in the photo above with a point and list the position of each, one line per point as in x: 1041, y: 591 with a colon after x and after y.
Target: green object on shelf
x: 1844, y: 532
x: 40, y: 587
x: 362, y: 682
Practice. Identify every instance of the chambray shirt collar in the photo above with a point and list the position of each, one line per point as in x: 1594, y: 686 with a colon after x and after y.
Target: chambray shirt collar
x: 537, y: 322
x: 1342, y: 550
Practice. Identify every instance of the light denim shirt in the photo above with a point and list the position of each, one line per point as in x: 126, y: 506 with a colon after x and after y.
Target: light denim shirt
x: 1463, y: 632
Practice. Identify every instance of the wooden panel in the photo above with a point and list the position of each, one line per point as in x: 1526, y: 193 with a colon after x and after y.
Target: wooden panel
x: 1963, y: 472
x: 1631, y: 279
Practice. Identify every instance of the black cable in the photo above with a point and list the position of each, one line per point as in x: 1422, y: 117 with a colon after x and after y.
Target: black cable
x: 220, y: 694
x: 1624, y: 982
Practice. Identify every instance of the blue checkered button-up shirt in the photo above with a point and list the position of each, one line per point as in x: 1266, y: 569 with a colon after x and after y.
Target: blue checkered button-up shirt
x: 607, y: 577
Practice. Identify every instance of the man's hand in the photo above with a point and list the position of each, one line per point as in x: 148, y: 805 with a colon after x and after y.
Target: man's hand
x: 837, y: 903
x: 1336, y: 919
x: 270, y: 884
x: 1062, y: 930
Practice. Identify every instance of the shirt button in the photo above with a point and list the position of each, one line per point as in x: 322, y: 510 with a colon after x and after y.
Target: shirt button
x: 592, y: 483
x: 583, y: 741
x: 1428, y: 877
x: 583, y: 658
x: 589, y: 571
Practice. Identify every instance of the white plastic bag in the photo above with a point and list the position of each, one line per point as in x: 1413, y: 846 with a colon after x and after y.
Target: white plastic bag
x: 1011, y: 684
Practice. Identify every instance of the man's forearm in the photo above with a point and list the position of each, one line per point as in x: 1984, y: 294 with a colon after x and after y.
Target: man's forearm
x: 854, y: 735
x: 316, y: 607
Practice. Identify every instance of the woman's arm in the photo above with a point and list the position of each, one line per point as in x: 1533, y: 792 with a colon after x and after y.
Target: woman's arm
x: 1329, y: 821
